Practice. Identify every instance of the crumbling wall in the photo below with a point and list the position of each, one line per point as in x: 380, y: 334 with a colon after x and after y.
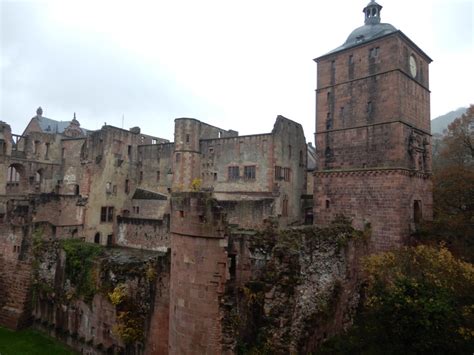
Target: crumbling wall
x: 248, y: 214
x: 303, y: 288
x: 141, y: 233
x: 101, y: 300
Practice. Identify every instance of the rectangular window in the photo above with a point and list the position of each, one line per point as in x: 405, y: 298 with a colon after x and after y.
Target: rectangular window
x: 110, y: 214
x: 187, y: 138
x: 286, y: 174
x: 103, y: 214
x: 37, y: 143
x: 178, y: 157
x: 374, y: 52
x: 284, y: 207
x: 351, y: 59
x: 140, y: 179
x: 249, y: 172
x: 233, y: 172
x: 127, y: 186
x: 157, y: 176
x: 129, y: 150
x: 107, y: 214
x: 46, y: 155
x: 369, y: 107
x: 278, y: 174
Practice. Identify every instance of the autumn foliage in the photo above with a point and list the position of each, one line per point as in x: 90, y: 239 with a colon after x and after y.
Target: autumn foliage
x: 453, y: 190
x: 417, y: 300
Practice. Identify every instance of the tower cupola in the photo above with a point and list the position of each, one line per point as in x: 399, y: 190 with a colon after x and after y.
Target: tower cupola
x: 372, y: 13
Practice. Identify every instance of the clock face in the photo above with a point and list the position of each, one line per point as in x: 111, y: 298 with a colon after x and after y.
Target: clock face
x: 412, y: 64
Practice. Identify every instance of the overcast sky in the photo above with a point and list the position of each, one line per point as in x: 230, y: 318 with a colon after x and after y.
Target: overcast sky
x: 233, y: 64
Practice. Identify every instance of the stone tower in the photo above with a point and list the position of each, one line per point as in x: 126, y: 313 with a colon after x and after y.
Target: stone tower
x: 187, y: 155
x: 373, y: 132
x: 199, y: 271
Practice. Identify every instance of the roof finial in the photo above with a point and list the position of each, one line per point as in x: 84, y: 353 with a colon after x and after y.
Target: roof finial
x: 372, y: 13
x: 39, y: 111
x: 74, y: 115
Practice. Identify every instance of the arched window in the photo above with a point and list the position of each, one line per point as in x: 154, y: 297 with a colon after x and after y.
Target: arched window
x: 417, y: 215
x: 97, y: 238
x: 13, y: 174
x: 39, y: 176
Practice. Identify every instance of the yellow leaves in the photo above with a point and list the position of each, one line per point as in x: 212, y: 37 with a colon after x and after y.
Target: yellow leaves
x: 437, y: 266
x: 128, y: 328
x: 196, y: 184
x: 118, y: 294
x: 466, y: 333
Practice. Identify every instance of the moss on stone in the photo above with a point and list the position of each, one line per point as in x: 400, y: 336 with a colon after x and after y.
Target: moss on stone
x: 80, y: 260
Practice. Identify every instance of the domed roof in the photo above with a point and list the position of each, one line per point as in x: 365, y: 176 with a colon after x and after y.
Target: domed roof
x: 368, y: 32
x: 371, y: 29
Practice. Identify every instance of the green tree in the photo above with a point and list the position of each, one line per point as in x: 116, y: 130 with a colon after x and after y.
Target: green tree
x: 418, y: 300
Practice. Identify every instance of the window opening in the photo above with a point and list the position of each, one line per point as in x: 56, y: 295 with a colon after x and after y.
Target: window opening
x: 233, y: 172
x: 249, y: 172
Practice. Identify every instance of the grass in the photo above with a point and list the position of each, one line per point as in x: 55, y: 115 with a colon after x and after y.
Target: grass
x: 28, y: 341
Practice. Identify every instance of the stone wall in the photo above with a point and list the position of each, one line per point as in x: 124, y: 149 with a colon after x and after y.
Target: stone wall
x: 141, y: 233
x: 101, y: 300
x: 15, y: 292
x: 383, y: 200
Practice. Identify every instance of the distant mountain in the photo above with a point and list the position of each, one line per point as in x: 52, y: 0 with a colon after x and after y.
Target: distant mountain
x: 439, y: 124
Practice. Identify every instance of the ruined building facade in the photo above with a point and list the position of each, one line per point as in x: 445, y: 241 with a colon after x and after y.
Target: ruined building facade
x: 373, y: 132
x: 182, y: 219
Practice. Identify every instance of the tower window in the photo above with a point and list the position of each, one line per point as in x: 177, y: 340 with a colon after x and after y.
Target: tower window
x: 327, y: 204
x: 374, y: 52
x: 351, y: 59
x: 328, y: 152
x: 369, y: 107
x: 178, y: 157
x: 187, y: 138
x: 417, y: 215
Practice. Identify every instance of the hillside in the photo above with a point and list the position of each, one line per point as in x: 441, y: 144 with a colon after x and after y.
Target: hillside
x: 441, y: 123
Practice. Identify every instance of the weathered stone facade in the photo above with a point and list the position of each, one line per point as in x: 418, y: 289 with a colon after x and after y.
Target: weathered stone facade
x: 183, y: 252
x: 373, y: 132
x: 114, y: 187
